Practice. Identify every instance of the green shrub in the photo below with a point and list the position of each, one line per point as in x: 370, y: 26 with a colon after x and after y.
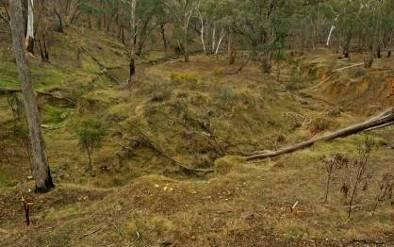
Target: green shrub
x: 226, y: 96
x: 184, y: 77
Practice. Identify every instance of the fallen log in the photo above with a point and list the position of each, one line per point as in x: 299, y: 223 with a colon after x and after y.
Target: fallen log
x: 8, y: 91
x: 384, y: 119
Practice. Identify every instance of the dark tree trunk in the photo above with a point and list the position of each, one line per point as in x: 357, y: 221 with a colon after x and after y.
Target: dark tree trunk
x: 368, y: 60
x: 266, y: 61
x: 346, y: 47
x: 163, y: 36
x: 43, y: 49
x: 230, y: 48
x: 41, y: 170
x: 60, y: 18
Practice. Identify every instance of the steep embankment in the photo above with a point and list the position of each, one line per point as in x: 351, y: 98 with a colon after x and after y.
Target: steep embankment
x: 346, y: 83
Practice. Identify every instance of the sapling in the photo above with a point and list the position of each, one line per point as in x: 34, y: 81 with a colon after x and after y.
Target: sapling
x: 330, y: 164
x: 385, y: 190
x: 91, y: 133
x: 361, y: 164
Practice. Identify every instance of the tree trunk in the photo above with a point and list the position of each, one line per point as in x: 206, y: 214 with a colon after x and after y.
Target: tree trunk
x: 230, y: 47
x: 330, y: 35
x: 41, y: 171
x: 222, y: 35
x: 266, y: 61
x: 202, y: 33
x: 185, y: 44
x: 163, y: 36
x: 346, y: 47
x: 133, y: 25
x: 30, y: 28
x: 368, y: 61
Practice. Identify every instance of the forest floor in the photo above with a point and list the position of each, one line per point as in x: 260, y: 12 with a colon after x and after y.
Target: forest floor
x: 204, y: 116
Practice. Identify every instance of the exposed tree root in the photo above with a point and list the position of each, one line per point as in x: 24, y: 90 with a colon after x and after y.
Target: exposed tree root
x: 380, y: 121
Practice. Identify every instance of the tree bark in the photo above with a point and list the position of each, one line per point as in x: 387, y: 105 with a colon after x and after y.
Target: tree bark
x: 41, y: 170
x: 382, y: 120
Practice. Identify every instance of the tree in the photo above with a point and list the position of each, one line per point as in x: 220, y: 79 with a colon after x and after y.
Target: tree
x: 264, y: 23
x: 183, y: 11
x: 132, y: 43
x: 41, y: 170
x: 90, y: 133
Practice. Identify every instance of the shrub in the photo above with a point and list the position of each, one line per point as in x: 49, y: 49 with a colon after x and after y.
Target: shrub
x: 160, y: 93
x: 184, y: 77
x: 226, y: 96
x: 218, y: 72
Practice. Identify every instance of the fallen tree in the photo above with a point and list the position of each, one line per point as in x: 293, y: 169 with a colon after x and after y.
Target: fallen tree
x: 10, y: 91
x: 382, y: 120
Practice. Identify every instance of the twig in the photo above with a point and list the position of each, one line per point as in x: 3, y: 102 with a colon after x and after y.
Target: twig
x: 92, y: 232
x: 294, y: 206
x: 348, y: 67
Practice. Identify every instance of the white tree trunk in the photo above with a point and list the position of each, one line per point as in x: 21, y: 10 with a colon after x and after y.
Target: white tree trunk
x: 202, y: 33
x: 213, y: 38
x: 29, y: 43
x: 330, y: 35
x: 222, y: 35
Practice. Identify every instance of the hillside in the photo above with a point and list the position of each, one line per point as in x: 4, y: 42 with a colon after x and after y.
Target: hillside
x: 170, y: 170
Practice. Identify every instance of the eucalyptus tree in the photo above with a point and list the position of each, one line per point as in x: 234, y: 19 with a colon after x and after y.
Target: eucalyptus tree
x: 215, y: 20
x: 183, y: 11
x: 40, y: 166
x: 265, y: 24
x: 150, y: 14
